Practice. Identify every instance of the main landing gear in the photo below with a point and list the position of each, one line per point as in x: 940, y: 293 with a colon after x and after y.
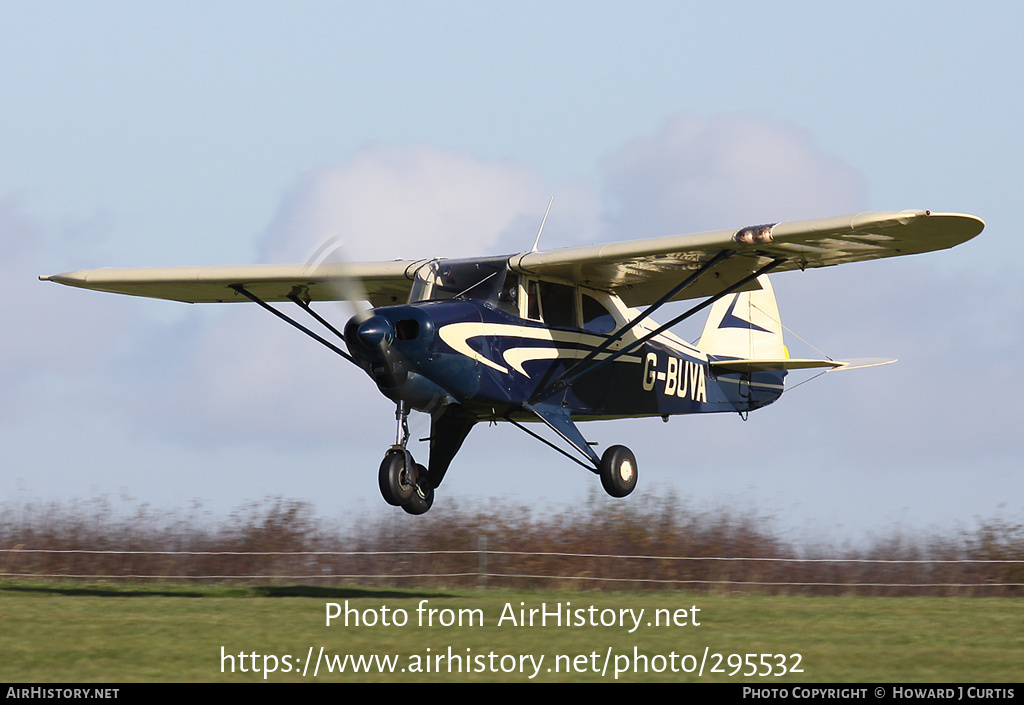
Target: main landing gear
x: 404, y: 482
x: 616, y: 467
x: 618, y: 471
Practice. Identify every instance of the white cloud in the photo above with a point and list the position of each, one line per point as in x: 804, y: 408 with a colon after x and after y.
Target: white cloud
x: 387, y: 202
x: 727, y: 171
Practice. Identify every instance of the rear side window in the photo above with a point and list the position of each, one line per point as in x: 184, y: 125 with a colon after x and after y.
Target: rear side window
x: 596, y: 318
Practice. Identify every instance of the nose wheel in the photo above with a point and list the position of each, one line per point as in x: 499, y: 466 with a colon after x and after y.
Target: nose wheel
x: 398, y: 475
x: 404, y: 482
x: 422, y: 497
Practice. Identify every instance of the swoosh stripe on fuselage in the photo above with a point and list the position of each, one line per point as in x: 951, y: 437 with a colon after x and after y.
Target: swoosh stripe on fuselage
x: 457, y: 336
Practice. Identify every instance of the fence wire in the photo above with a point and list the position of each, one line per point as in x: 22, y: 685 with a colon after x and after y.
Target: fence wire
x: 526, y: 569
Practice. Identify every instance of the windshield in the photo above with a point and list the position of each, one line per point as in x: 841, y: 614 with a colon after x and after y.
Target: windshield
x: 460, y: 279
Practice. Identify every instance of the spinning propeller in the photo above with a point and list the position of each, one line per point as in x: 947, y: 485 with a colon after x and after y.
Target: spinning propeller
x: 370, y: 339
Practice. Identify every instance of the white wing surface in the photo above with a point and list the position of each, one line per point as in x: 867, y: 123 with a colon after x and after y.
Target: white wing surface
x: 641, y: 271
x: 638, y: 271
x: 385, y: 283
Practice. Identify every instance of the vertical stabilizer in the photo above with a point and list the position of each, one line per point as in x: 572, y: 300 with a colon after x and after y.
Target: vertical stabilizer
x: 746, y: 326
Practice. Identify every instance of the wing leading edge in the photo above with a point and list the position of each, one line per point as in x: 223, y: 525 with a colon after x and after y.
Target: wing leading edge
x: 638, y: 271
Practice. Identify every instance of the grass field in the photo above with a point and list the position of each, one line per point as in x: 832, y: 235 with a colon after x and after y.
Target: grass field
x: 123, y: 633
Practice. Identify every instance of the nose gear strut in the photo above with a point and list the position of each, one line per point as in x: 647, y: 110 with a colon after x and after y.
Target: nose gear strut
x: 404, y: 482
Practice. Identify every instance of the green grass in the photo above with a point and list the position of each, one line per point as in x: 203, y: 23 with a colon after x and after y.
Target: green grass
x: 125, y: 633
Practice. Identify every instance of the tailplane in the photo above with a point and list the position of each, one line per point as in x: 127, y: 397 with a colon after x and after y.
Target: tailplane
x: 743, y: 333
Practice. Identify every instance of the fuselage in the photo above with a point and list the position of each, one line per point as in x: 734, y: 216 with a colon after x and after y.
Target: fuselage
x: 492, y: 362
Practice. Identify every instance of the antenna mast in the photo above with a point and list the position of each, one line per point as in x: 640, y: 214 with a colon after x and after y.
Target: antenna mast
x: 537, y: 241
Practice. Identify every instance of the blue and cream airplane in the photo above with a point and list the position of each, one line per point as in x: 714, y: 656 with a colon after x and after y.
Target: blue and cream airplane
x: 554, y: 336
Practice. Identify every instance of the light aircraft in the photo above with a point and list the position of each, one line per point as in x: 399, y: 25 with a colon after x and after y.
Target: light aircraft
x: 553, y: 336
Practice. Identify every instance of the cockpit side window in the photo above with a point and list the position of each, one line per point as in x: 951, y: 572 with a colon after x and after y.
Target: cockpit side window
x: 558, y: 302
x: 567, y: 306
x: 481, y: 279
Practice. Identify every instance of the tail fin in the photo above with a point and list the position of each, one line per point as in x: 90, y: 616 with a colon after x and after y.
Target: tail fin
x: 743, y: 333
x: 745, y: 326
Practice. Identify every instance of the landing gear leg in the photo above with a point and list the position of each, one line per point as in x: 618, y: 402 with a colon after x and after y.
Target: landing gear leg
x: 617, y: 467
x: 404, y: 482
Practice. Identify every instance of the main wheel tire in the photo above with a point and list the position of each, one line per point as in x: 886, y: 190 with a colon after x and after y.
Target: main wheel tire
x: 618, y: 471
x: 423, y: 494
x: 397, y: 477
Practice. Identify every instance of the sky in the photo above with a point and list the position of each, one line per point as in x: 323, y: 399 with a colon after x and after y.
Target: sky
x: 168, y: 133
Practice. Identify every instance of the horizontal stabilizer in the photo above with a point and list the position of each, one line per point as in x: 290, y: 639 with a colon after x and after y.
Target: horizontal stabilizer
x: 863, y: 362
x: 795, y: 364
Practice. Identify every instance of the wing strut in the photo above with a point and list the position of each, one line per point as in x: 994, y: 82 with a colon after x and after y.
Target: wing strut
x: 288, y: 319
x: 559, y: 421
x: 569, y: 377
x: 617, y: 335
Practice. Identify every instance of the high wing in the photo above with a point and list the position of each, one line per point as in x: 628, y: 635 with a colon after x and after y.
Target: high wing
x: 638, y: 271
x: 384, y: 283
x: 641, y: 271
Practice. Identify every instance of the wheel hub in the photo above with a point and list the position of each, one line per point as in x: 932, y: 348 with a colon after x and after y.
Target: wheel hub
x: 626, y: 470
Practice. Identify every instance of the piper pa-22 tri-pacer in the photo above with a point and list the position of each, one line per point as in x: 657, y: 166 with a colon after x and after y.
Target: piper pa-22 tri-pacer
x: 553, y: 336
